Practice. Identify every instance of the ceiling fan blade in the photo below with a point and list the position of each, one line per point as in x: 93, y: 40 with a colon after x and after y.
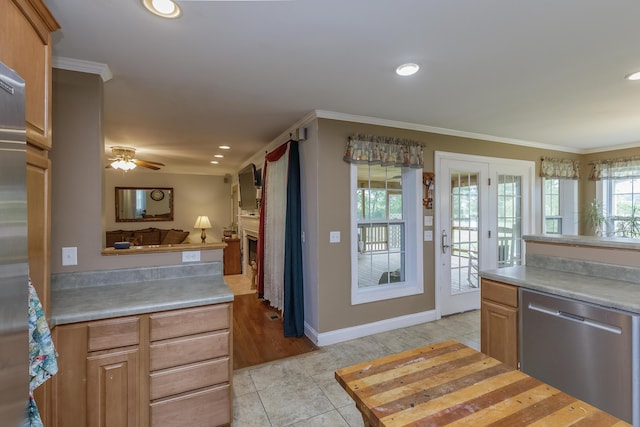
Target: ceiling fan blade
x: 149, y: 161
x: 147, y: 165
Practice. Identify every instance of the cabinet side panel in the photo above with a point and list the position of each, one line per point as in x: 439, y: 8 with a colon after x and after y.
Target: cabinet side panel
x: 69, y: 393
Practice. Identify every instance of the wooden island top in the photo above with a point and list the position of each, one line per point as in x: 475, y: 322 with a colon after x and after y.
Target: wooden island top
x: 451, y: 384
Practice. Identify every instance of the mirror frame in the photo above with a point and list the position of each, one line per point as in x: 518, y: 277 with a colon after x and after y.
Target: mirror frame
x: 166, y: 190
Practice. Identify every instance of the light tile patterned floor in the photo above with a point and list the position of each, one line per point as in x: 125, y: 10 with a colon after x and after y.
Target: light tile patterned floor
x: 302, y: 390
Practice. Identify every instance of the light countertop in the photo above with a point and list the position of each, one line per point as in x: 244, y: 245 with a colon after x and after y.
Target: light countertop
x: 606, y: 292
x: 90, y: 296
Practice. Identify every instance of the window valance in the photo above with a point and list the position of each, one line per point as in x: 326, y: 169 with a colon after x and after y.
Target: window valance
x: 385, y: 151
x: 559, y: 168
x: 628, y: 167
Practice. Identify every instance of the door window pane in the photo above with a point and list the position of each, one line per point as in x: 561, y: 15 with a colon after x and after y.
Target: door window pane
x: 509, y: 220
x: 464, y: 232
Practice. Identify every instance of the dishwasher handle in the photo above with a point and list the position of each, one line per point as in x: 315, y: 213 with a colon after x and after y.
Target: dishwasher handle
x: 575, y: 318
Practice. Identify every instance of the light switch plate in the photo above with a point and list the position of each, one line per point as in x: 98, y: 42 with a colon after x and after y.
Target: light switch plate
x: 428, y: 220
x: 334, y: 237
x: 70, y: 256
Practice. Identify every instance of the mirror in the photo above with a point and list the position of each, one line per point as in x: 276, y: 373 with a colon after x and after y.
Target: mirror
x: 140, y: 204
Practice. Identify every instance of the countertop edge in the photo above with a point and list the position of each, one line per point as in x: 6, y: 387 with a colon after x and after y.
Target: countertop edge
x: 603, y: 292
x: 89, y: 316
x: 107, y: 301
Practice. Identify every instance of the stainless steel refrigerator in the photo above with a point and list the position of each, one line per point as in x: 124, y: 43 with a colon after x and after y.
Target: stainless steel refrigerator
x: 14, y: 340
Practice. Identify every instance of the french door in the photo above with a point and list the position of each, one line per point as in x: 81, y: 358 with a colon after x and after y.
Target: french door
x: 483, y: 209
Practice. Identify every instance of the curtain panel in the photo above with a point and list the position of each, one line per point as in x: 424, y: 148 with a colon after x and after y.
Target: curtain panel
x: 280, y: 273
x: 628, y: 167
x: 559, y: 168
x: 385, y: 151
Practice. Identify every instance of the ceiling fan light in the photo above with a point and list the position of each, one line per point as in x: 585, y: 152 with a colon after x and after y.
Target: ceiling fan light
x: 123, y: 165
x: 162, y: 8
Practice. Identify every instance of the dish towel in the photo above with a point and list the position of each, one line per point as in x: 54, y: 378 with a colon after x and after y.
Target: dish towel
x: 42, y: 354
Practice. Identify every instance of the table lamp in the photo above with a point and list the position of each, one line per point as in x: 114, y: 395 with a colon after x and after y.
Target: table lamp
x: 203, y: 223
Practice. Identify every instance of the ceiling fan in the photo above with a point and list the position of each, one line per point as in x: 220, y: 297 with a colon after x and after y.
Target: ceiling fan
x: 124, y: 159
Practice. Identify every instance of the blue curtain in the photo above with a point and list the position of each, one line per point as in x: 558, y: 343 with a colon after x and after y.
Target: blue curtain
x: 293, y: 318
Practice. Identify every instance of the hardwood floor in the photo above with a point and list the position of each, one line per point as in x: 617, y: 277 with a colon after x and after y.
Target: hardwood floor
x: 258, y: 336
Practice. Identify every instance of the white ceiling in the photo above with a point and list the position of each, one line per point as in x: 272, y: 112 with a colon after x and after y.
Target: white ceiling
x: 542, y: 72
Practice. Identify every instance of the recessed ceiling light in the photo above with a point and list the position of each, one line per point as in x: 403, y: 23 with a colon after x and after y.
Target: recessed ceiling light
x: 224, y: 147
x: 219, y: 156
x: 633, y: 76
x: 163, y: 8
x: 214, y: 162
x: 408, y: 69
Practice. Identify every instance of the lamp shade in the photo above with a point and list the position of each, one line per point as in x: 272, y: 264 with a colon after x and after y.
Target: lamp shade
x: 202, y: 222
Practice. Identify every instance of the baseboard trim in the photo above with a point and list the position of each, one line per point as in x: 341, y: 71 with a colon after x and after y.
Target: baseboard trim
x: 346, y: 334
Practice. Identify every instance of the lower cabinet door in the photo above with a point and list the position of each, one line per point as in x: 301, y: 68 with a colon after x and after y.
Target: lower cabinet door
x: 205, y: 408
x: 499, y: 332
x: 112, y: 389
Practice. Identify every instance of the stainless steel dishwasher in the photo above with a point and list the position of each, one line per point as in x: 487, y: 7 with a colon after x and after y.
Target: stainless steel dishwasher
x: 587, y: 351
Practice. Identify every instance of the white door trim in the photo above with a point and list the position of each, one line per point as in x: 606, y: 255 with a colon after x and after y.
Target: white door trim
x: 530, y: 205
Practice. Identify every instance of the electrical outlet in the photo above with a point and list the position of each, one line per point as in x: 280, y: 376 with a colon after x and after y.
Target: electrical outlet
x: 70, y: 256
x: 334, y: 237
x: 191, y: 256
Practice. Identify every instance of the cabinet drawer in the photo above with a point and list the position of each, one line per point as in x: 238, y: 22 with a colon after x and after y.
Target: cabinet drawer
x: 113, y: 333
x: 191, y: 377
x: 500, y: 292
x: 191, y: 321
x: 198, y: 348
x: 211, y: 407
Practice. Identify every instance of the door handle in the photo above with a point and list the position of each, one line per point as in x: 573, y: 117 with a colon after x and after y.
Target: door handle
x: 443, y: 242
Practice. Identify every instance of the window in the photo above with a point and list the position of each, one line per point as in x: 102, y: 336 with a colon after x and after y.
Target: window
x: 385, y: 245
x: 552, y: 218
x: 621, y: 205
x: 560, y: 206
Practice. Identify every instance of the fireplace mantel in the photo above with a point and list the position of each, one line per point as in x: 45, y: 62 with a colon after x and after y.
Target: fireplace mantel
x: 249, y: 227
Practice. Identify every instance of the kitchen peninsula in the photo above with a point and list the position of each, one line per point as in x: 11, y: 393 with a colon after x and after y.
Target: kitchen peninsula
x: 570, y: 317
x: 147, y: 346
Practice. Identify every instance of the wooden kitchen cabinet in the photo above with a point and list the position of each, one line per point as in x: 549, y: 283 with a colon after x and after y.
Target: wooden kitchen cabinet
x: 232, y: 259
x: 499, y: 321
x: 25, y: 46
x: 112, y: 391
x: 191, y: 367
x: 169, y: 368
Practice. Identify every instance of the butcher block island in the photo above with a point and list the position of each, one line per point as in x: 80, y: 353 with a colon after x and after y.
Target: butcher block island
x: 449, y: 384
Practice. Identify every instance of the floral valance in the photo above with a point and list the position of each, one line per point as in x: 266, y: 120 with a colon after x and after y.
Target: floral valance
x: 384, y: 151
x: 628, y: 167
x: 559, y: 168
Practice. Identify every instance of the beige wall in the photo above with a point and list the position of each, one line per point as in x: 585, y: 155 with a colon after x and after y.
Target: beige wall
x: 194, y: 195
x: 78, y: 217
x: 334, y: 266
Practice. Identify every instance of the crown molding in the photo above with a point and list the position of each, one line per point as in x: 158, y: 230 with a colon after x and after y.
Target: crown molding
x: 91, y: 67
x: 323, y: 114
